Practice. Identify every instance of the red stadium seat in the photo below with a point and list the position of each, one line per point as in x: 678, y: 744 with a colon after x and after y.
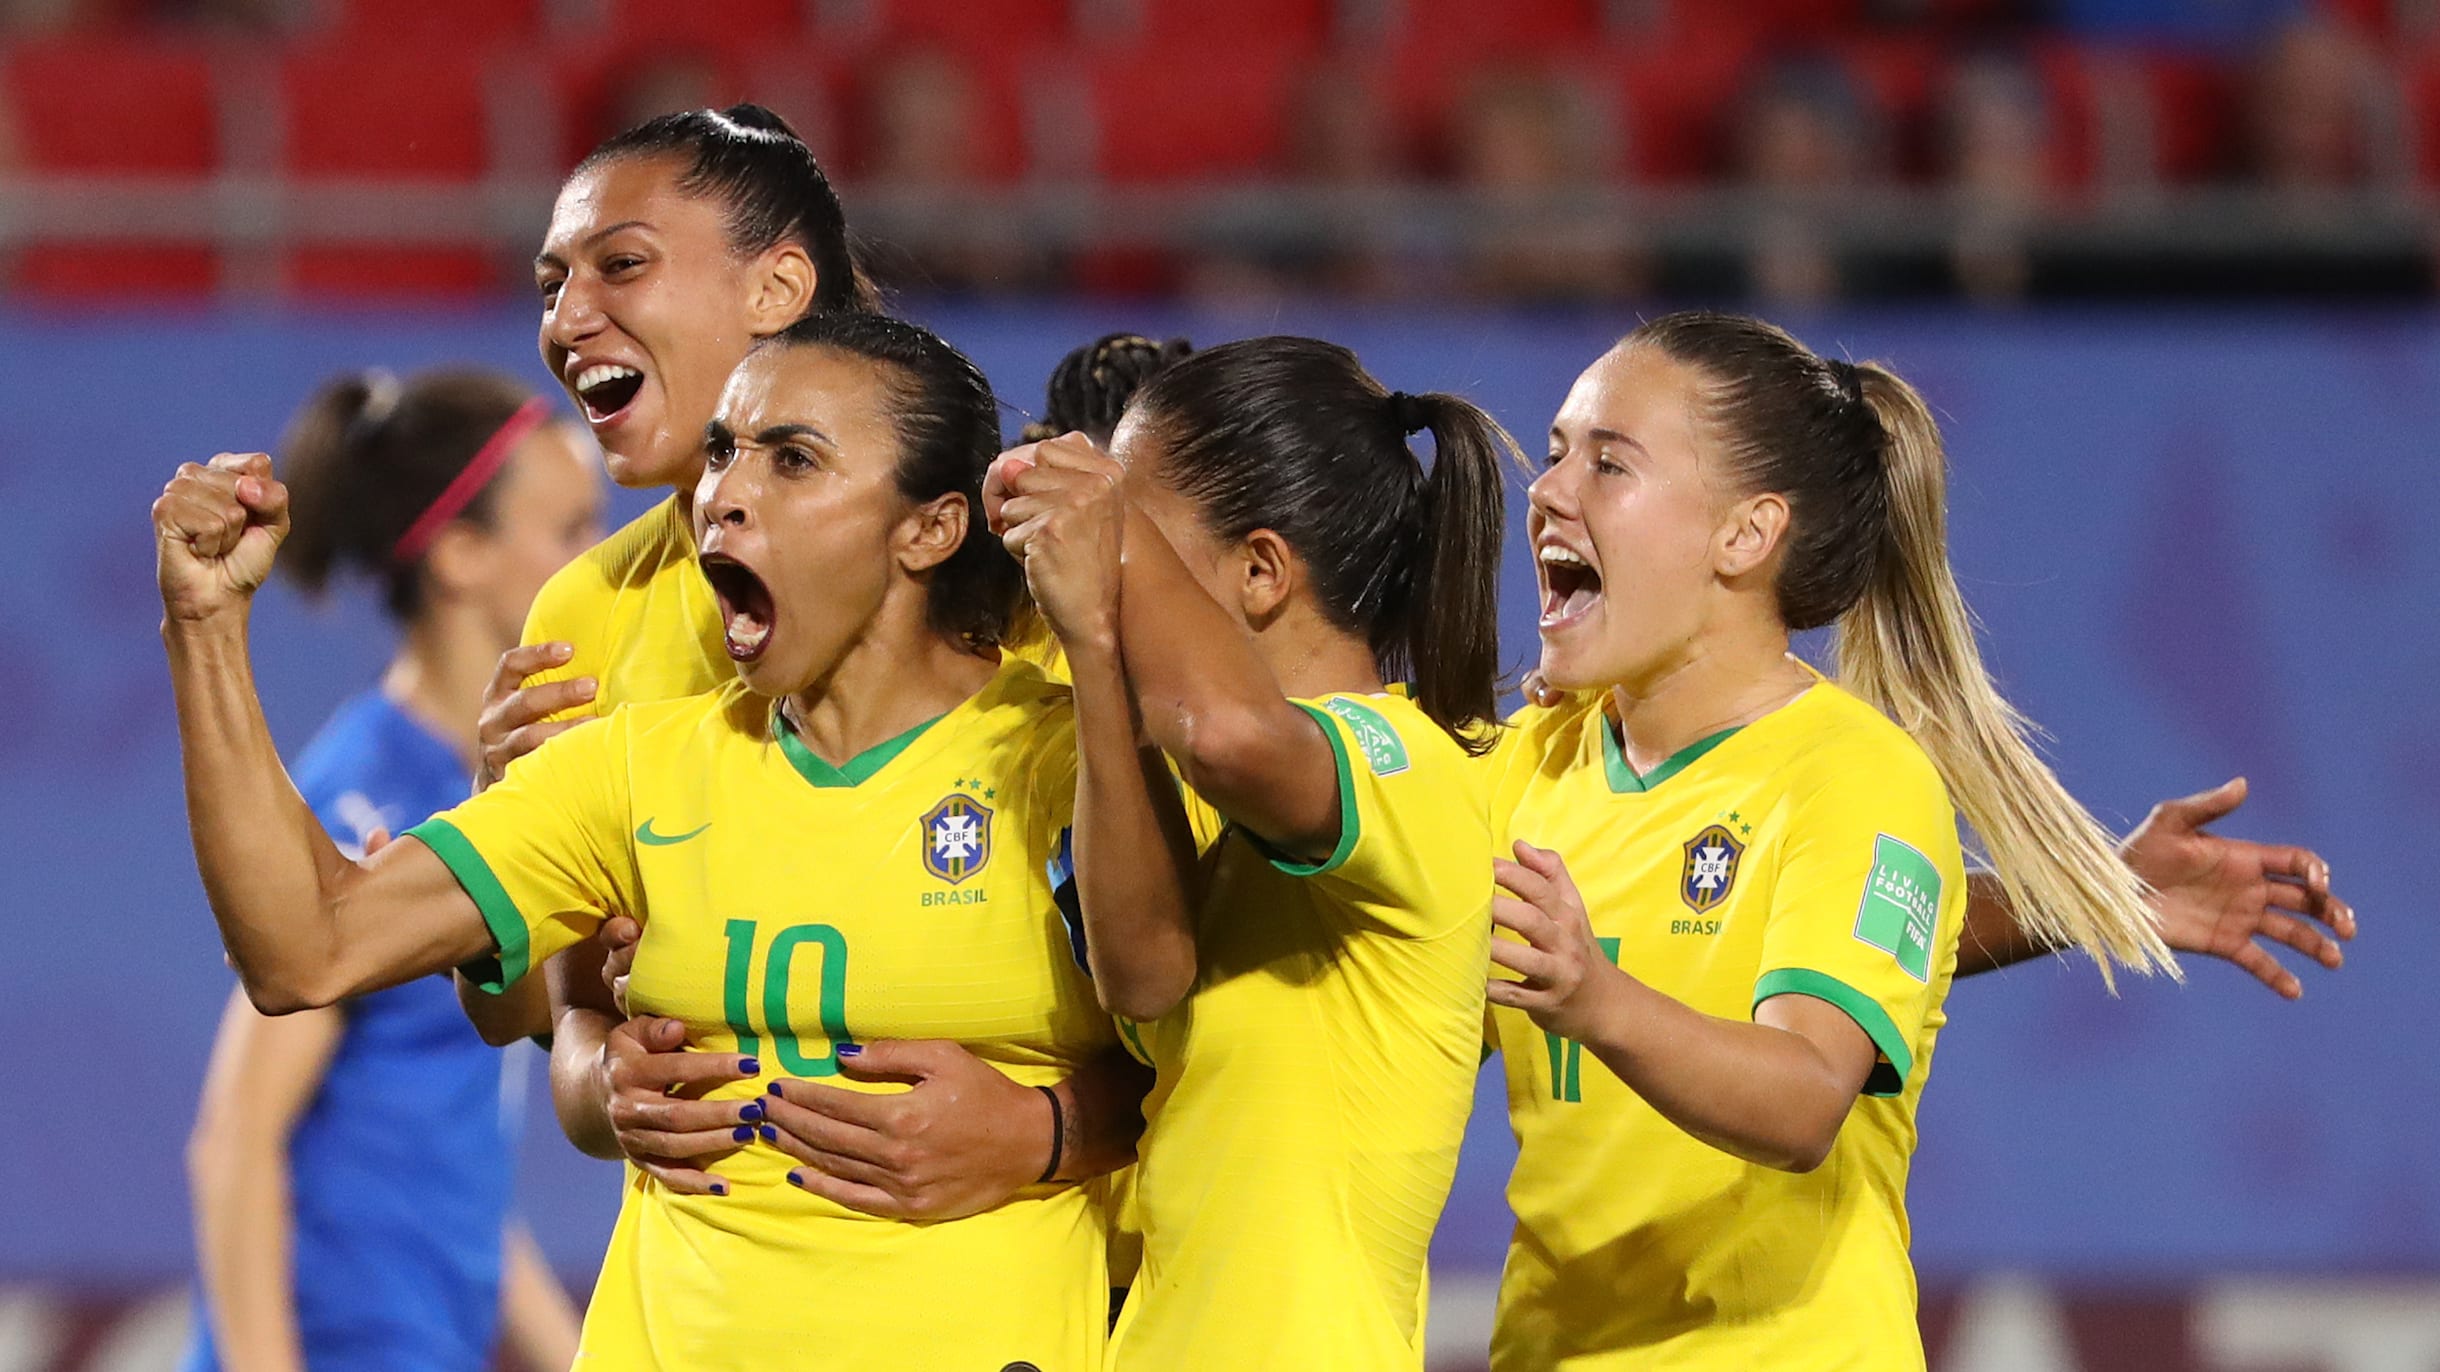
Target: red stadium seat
x: 374, y: 25
x: 97, y: 107
x: 738, y: 26
x: 1673, y: 100
x: 994, y: 152
x: 129, y: 108
x: 1203, y: 25
x: 1486, y: 30
x: 402, y: 117
x: 973, y: 27
x: 414, y: 115
x: 1168, y: 116
x: 2189, y: 102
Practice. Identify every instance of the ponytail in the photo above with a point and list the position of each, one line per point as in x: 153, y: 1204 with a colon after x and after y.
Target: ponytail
x: 317, y: 462
x: 369, y: 457
x: 1859, y: 459
x: 1450, y: 648
x: 1293, y: 435
x: 1907, y: 648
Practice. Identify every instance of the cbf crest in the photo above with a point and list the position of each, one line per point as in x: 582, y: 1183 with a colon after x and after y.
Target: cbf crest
x: 1711, y: 867
x: 956, y: 837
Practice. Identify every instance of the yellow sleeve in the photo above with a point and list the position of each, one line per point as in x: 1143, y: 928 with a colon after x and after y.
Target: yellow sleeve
x: 1866, y: 909
x: 571, y: 608
x: 1407, y: 807
x: 545, y: 853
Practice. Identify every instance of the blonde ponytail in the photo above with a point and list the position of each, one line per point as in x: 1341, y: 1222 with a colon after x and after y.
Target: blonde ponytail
x: 1908, y: 648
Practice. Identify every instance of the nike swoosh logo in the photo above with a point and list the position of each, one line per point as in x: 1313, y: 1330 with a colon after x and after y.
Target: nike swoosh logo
x: 645, y: 835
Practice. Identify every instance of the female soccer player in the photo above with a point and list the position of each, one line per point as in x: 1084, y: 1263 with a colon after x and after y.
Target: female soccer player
x: 856, y: 838
x: 1757, y: 919
x: 350, y: 1166
x: 672, y: 248
x: 1314, y: 1026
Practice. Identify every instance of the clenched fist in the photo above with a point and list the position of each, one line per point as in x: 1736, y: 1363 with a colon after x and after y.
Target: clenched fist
x: 216, y: 527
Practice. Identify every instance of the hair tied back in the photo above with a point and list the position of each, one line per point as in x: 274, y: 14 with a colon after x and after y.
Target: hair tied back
x: 1407, y: 413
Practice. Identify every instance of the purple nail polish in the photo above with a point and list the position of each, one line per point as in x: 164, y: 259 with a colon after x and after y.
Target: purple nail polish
x: 752, y: 1067
x: 743, y: 1133
x: 849, y: 1050
x: 770, y: 1135
x: 794, y: 1181
x: 720, y: 1188
x: 751, y: 1111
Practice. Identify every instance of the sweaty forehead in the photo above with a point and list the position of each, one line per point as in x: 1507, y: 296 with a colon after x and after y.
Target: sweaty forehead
x: 1636, y: 390
x: 836, y: 393
x: 640, y: 190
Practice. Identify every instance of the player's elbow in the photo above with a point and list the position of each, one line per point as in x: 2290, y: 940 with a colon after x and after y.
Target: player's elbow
x: 1225, y: 746
x: 277, y: 991
x: 1142, y: 996
x: 1805, y: 1137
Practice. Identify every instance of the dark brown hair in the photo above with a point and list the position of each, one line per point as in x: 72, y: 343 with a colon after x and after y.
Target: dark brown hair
x: 773, y: 188
x: 367, y: 456
x: 1293, y: 435
x: 948, y: 426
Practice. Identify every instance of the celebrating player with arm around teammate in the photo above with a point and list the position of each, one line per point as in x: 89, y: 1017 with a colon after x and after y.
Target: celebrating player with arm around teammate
x: 1738, y: 887
x: 859, y: 838
x: 1284, y: 554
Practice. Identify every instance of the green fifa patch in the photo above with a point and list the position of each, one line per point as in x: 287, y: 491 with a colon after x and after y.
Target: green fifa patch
x: 1901, y: 906
x: 1383, y: 750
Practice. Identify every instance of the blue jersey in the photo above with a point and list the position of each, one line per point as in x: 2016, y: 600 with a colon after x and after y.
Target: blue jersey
x: 401, y: 1163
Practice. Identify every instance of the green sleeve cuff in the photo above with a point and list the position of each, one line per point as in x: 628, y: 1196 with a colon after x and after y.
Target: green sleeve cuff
x: 1350, y: 821
x: 495, y: 974
x: 1887, y: 1078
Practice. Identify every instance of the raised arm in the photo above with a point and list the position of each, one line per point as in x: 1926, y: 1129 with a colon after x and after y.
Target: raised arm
x: 1134, y: 851
x: 1207, y: 697
x: 304, y: 925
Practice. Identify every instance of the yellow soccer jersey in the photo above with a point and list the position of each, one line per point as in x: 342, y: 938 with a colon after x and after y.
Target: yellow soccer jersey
x: 1813, y: 852
x: 1312, y: 1090
x: 789, y: 906
x: 642, y: 620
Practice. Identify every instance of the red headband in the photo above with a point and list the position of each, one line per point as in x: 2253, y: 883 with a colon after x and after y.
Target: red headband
x: 469, y: 483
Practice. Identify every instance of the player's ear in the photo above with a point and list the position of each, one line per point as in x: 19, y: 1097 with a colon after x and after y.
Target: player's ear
x: 1750, y: 535
x: 932, y: 532
x: 1265, y: 572
x: 783, y: 289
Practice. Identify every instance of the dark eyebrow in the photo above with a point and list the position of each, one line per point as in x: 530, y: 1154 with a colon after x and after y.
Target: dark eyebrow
x: 716, y: 434
x: 1614, y: 436
x: 781, y: 433
x: 552, y: 259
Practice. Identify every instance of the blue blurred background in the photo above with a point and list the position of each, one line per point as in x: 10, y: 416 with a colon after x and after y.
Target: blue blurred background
x: 2201, y: 545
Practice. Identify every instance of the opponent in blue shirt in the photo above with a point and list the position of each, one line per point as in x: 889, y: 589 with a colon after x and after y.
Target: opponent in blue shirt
x: 351, y: 1167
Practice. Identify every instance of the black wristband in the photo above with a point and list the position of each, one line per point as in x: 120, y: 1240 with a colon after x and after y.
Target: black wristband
x: 1058, y: 1134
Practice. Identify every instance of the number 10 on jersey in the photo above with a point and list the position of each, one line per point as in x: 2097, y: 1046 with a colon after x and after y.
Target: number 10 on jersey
x: 782, y: 961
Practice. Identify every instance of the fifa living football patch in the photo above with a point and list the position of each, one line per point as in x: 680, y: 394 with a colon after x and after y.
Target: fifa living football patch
x: 1901, y: 905
x: 1383, y: 750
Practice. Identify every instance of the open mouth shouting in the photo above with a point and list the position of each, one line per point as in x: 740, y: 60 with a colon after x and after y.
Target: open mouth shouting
x: 1571, y: 588
x: 746, y: 613
x: 605, y: 389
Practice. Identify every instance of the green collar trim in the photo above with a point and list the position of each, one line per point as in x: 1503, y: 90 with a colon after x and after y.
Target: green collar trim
x: 1624, y: 779
x: 858, y: 770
